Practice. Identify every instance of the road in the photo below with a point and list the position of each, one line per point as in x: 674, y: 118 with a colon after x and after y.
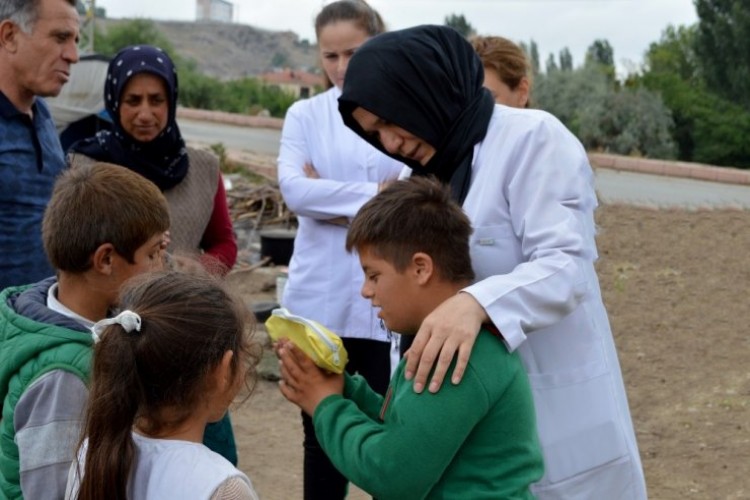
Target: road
x: 632, y: 188
x: 259, y: 140
x: 612, y: 186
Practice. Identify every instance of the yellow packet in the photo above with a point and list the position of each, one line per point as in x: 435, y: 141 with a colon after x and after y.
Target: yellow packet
x: 323, y: 346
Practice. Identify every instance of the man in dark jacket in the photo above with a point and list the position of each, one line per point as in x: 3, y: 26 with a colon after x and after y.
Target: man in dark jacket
x: 37, y: 48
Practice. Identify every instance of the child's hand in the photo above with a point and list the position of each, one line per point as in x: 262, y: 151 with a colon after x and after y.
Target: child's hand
x: 302, y: 382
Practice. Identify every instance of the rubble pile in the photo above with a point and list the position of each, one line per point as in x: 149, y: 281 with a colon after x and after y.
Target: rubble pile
x: 258, y: 205
x: 253, y: 207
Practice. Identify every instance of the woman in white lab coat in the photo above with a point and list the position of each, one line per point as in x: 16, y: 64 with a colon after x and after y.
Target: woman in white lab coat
x: 326, y: 173
x: 525, y: 182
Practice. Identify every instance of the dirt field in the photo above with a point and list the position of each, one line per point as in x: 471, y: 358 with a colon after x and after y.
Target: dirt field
x: 676, y: 285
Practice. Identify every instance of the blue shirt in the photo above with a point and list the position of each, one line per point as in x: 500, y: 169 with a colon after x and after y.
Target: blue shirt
x: 30, y: 159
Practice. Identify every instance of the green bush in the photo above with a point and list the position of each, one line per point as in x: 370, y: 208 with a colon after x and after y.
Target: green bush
x: 605, y: 116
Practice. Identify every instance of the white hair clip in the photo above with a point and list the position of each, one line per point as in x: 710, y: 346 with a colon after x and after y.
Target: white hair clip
x: 129, y: 321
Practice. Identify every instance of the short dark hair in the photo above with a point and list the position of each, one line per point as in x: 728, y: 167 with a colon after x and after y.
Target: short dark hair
x: 415, y: 215
x: 98, y: 203
x: 23, y: 12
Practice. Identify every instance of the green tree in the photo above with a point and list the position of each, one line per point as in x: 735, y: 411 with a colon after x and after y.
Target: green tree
x: 534, y: 57
x: 551, y: 65
x: 566, y: 60
x: 459, y: 23
x: 600, y: 54
x: 708, y: 127
x: 675, y: 54
x: 532, y: 53
x: 722, y: 45
x: 671, y: 70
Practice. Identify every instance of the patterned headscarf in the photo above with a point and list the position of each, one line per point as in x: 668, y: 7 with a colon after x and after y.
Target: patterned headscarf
x: 163, y: 160
x: 428, y: 81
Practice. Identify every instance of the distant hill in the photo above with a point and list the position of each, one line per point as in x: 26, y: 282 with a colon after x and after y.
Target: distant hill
x: 231, y: 51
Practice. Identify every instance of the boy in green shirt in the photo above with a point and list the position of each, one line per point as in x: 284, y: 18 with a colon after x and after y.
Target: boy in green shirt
x: 476, y: 440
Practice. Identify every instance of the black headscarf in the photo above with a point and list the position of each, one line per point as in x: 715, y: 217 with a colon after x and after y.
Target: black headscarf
x: 163, y: 160
x: 428, y: 81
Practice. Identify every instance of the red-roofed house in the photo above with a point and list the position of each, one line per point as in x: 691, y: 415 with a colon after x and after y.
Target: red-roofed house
x: 299, y: 83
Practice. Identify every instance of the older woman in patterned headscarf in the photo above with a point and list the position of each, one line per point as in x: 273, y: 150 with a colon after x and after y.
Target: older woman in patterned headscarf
x: 140, y: 95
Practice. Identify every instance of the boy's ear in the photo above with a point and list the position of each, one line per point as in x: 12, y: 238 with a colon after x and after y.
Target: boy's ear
x: 422, y: 266
x: 103, y: 259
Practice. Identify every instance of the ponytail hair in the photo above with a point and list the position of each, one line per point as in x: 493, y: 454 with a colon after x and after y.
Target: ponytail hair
x: 358, y: 12
x: 113, y: 404
x: 155, y: 377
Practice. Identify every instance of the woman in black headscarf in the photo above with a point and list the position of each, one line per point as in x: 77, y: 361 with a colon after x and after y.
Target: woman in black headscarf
x: 450, y: 114
x: 140, y: 95
x: 526, y: 184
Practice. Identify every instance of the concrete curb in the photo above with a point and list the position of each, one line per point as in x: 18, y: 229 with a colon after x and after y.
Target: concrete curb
x: 230, y: 118
x: 696, y: 171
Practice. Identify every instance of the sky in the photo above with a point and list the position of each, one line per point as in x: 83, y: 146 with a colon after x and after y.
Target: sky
x: 630, y: 26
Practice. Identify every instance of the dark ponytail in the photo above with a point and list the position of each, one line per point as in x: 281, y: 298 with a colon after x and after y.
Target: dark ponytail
x: 188, y: 323
x: 113, y: 405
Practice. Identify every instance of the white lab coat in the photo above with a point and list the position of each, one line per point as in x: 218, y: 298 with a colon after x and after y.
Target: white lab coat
x: 531, y: 204
x: 324, y: 280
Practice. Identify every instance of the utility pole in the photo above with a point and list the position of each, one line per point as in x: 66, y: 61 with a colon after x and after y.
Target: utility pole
x: 88, y: 26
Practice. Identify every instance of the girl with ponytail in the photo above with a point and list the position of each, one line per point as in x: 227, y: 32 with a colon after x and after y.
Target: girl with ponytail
x: 171, y: 362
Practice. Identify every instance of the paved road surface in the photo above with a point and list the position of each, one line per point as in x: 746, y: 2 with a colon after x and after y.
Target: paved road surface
x: 259, y: 140
x: 612, y: 186
x: 615, y: 186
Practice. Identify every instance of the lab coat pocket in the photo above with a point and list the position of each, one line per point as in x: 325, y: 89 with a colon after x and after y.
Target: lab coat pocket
x: 494, y: 250
x: 589, y: 449
x: 577, y: 422
x: 613, y: 480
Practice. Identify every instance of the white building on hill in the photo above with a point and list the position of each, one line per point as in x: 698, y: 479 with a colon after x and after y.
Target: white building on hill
x: 214, y: 10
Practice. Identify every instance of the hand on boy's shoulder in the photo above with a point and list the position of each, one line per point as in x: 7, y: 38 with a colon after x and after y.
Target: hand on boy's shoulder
x: 447, y: 332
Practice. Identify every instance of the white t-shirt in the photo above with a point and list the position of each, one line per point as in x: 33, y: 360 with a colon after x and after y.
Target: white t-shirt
x: 170, y: 468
